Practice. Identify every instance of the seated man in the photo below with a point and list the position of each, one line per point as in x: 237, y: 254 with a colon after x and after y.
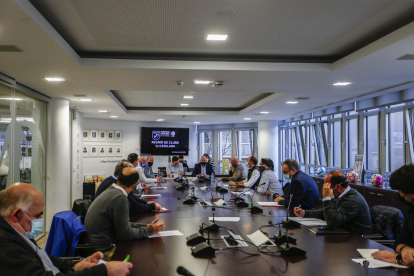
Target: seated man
x: 403, y: 181
x: 175, y: 167
x: 107, y: 220
x: 21, y: 211
x: 237, y: 171
x: 142, y: 164
x: 136, y: 205
x: 303, y: 188
x: 203, y: 168
x: 185, y: 166
x: 133, y: 159
x: 269, y: 184
x: 253, y: 176
x: 148, y: 169
x: 348, y: 210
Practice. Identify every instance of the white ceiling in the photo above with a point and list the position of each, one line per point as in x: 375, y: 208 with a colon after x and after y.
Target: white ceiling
x: 153, y: 83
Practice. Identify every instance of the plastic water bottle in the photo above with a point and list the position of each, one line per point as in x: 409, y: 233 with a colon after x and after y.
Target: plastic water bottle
x: 212, y: 176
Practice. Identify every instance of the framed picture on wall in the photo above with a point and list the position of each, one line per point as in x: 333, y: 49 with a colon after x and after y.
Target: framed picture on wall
x: 94, y: 135
x: 118, y: 150
x: 86, y: 134
x: 102, y: 151
x: 110, y: 136
x: 94, y: 151
x: 102, y: 135
x: 110, y: 151
x: 118, y: 136
x: 85, y: 151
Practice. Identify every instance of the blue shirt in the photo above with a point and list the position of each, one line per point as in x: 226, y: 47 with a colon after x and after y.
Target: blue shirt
x: 148, y: 172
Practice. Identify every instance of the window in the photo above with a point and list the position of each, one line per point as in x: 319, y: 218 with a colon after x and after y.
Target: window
x: 311, y: 144
x: 244, y: 139
x: 320, y: 145
x: 293, y: 145
x: 395, y: 141
x: 371, y: 142
x: 336, y: 143
x: 351, y: 141
x: 224, y: 147
x: 283, y: 152
x: 206, y: 143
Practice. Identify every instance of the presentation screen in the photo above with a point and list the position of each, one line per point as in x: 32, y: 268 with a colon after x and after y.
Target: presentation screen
x: 164, y: 141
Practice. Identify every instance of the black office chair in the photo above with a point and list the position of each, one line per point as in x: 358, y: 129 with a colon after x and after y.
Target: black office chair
x: 387, y: 223
x: 163, y: 171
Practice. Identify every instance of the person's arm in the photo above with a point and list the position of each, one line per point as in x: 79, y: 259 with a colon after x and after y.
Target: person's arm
x: 142, y: 177
x: 314, y: 214
x: 168, y: 169
x: 136, y: 207
x: 234, y: 176
x: 180, y: 168
x: 252, y: 180
x: 263, y: 185
x: 404, y: 237
x: 66, y: 266
x: 297, y: 191
x: 124, y: 229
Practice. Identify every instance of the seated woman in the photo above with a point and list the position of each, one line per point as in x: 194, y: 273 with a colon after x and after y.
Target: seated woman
x: 269, y: 184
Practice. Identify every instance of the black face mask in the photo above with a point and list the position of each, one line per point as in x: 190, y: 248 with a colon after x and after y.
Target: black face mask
x: 233, y: 165
x: 203, y: 163
x: 150, y: 164
x: 262, y: 168
x: 402, y: 199
x: 181, y: 161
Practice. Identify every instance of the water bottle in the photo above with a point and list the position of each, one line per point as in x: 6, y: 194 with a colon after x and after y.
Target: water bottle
x: 212, y: 176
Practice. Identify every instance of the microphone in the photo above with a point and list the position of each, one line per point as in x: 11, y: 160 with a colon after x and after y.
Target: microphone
x: 182, y: 271
x: 291, y: 250
x: 238, y: 198
x: 255, y: 209
x: 286, y: 221
x: 281, y: 236
x: 366, y: 265
x: 210, y: 225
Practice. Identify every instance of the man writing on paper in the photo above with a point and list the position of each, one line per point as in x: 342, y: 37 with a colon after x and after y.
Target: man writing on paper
x: 107, y: 220
x: 21, y: 219
x: 237, y: 171
x: 403, y: 181
x: 348, y: 209
x: 175, y: 167
x: 203, y: 168
x: 253, y: 176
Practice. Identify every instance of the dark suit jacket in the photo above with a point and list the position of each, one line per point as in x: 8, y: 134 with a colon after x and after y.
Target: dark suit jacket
x: 197, y: 169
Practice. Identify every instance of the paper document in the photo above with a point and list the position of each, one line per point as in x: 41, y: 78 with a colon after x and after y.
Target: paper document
x: 224, y: 218
x: 204, y: 188
x: 267, y: 204
x: 301, y: 219
x: 151, y: 195
x: 366, y: 253
x: 166, y: 234
x: 373, y: 263
x: 101, y: 261
x: 220, y: 202
x: 313, y: 222
x: 259, y: 239
x: 238, y: 193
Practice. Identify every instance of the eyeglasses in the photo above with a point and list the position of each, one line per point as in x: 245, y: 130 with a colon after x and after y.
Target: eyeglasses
x: 285, y: 172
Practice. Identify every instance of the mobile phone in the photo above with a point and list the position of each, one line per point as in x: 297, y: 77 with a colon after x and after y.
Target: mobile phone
x: 325, y: 228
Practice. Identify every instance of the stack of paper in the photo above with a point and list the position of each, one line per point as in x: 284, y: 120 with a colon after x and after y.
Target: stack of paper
x: 309, y: 221
x: 151, y: 195
x: 373, y: 263
x: 224, y: 219
x: 166, y: 234
x: 269, y: 204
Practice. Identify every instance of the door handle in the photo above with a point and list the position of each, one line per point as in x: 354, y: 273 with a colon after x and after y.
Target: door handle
x: 380, y: 194
x: 371, y: 193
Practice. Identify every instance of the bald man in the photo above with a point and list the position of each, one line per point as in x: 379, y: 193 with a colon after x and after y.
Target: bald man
x: 21, y: 211
x: 347, y: 209
x: 107, y: 220
x: 203, y: 168
x: 140, y: 169
x: 237, y: 171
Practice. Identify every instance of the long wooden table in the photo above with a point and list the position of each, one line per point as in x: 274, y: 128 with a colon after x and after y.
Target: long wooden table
x: 326, y: 255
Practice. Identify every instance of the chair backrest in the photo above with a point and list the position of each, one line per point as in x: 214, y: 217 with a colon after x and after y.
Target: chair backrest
x: 80, y: 207
x: 387, y: 221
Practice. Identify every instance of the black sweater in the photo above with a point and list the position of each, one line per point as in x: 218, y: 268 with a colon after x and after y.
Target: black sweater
x: 18, y: 258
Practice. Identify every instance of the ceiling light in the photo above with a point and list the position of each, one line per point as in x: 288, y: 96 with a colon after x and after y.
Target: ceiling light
x: 188, y: 97
x: 55, y: 79
x: 86, y: 100
x: 216, y: 37
x: 264, y: 112
x: 247, y: 119
x: 197, y: 122
x: 103, y: 111
x: 114, y: 116
x: 185, y: 104
x: 202, y: 81
x: 160, y: 120
x: 341, y: 83
x: 291, y: 102
x: 11, y: 99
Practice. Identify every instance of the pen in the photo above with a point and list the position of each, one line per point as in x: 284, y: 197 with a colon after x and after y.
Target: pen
x: 126, y: 259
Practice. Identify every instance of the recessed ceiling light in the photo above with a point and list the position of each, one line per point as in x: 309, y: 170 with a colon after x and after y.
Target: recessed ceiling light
x: 341, y: 83
x: 185, y: 104
x: 55, y: 79
x: 86, y: 100
x: 188, y: 97
x: 11, y: 99
x: 114, y: 116
x: 264, y: 112
x: 291, y: 102
x: 216, y: 37
x: 247, y: 119
x: 103, y: 111
x: 197, y: 122
x: 202, y: 81
x: 160, y: 120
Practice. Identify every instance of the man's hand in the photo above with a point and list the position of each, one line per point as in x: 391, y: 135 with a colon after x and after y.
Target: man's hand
x: 170, y: 175
x: 298, y: 212
x: 232, y: 183
x: 385, y: 256
x: 277, y: 199
x: 158, y: 178
x: 157, y: 227
x: 118, y: 268
x: 268, y: 193
x: 157, y: 206
x: 180, y: 172
x: 89, y: 262
x: 408, y: 256
x: 144, y: 185
x: 198, y: 175
x: 220, y: 179
x: 206, y: 176
x: 327, y: 190
x: 150, y: 202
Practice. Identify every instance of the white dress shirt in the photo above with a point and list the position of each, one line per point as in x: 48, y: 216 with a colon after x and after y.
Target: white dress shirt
x: 120, y: 188
x: 171, y: 169
x: 142, y: 176
x: 253, y: 179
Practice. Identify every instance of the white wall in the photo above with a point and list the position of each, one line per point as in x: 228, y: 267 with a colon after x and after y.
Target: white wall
x: 130, y: 143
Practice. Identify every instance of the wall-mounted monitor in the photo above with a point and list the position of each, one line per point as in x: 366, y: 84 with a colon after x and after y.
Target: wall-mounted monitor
x: 164, y: 141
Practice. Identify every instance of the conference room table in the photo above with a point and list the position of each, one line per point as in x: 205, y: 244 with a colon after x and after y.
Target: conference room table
x: 325, y: 254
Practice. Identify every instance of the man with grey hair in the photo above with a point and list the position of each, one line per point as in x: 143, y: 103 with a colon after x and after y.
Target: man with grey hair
x: 21, y: 211
x: 237, y: 171
x: 142, y: 163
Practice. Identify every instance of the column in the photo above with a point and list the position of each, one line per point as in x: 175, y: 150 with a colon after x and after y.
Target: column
x: 268, y: 142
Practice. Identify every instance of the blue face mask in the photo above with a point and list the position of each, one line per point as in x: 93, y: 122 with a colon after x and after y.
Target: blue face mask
x: 143, y: 165
x: 37, y: 225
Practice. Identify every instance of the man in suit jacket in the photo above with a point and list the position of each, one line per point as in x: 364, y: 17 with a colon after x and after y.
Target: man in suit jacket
x: 203, y: 168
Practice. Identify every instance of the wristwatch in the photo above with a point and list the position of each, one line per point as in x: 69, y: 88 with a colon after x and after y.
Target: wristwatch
x: 399, y: 259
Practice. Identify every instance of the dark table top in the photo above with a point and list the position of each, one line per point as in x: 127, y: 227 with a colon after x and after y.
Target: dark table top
x: 326, y: 255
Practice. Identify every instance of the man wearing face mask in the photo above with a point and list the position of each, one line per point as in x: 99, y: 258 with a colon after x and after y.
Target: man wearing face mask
x: 203, y: 168
x: 237, y: 171
x: 348, y: 209
x: 148, y: 169
x: 107, y: 220
x: 253, y: 176
x: 175, y: 167
x: 185, y: 166
x: 302, y: 189
x: 143, y: 164
x: 133, y: 159
x: 403, y: 181
x: 21, y: 219
x: 269, y: 184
